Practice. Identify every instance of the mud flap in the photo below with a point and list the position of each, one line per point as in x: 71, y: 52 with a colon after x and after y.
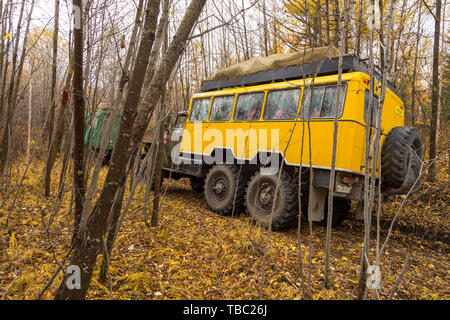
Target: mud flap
x: 316, y: 204
x: 359, y: 214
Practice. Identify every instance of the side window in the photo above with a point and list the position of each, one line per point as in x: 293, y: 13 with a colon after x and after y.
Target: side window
x: 181, y: 120
x: 322, y: 102
x: 373, y: 115
x: 221, y: 109
x: 248, y: 106
x: 199, y: 110
x: 282, y: 104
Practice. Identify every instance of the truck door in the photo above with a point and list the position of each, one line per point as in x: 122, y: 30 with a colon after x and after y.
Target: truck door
x: 172, y: 141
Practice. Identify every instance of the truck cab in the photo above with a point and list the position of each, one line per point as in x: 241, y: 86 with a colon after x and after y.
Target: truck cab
x: 172, y: 167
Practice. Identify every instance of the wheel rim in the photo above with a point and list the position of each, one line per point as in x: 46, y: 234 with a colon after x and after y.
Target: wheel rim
x: 265, y: 196
x: 219, y: 188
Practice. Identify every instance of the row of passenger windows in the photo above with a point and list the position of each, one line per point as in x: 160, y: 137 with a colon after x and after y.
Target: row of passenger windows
x: 318, y: 102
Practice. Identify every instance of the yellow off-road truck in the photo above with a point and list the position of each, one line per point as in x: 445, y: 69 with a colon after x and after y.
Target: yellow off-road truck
x: 277, y: 113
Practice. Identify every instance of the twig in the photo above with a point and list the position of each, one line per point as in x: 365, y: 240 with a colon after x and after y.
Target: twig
x: 399, y: 279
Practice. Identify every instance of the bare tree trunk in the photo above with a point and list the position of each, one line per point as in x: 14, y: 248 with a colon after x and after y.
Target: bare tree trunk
x: 6, y: 63
x: 174, y: 51
x: 275, y: 37
x: 358, y: 30
x: 3, y: 14
x: 159, y: 159
x: 435, y: 92
x: 111, y: 121
x: 13, y: 93
x: 327, y: 21
x: 160, y: 148
x: 117, y: 205
x: 442, y: 49
x: 266, y: 32
x: 53, y: 88
x: 57, y: 136
x: 30, y: 103
x: 336, y: 20
x: 4, y: 143
x: 154, y: 55
x: 247, y: 55
x: 346, y: 25
x: 367, y: 155
x: 343, y: 46
x: 78, y: 119
x: 372, y: 157
x: 308, y: 26
x: 318, y: 23
x: 153, y: 94
x: 52, y: 95
x: 383, y: 44
x: 90, y: 243
x: 416, y: 53
x: 393, y: 70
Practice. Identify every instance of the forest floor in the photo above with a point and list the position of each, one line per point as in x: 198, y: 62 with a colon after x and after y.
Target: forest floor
x: 196, y: 254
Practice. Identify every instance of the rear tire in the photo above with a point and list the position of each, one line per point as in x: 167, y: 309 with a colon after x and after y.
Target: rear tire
x: 260, y: 197
x: 341, y: 209
x: 224, y: 191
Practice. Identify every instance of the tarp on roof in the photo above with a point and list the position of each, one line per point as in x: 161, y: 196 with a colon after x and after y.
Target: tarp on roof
x: 273, y: 62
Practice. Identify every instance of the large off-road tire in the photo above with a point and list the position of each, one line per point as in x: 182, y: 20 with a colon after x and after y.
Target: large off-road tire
x: 224, y: 192
x: 341, y: 209
x: 260, y: 197
x: 402, y: 148
x: 197, y: 183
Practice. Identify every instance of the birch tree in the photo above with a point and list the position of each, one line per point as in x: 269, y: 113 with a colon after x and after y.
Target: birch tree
x: 435, y: 91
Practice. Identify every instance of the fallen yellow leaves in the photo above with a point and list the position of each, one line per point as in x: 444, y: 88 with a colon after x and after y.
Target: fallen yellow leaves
x: 195, y: 254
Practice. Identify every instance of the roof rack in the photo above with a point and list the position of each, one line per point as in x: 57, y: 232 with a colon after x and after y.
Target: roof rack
x: 329, y: 66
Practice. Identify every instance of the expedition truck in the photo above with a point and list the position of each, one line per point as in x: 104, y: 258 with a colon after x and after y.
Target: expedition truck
x: 276, y: 113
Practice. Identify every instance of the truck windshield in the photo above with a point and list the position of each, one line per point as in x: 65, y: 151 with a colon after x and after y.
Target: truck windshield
x: 200, y: 108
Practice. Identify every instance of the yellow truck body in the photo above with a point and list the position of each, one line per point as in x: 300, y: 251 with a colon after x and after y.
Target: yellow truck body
x: 246, y: 138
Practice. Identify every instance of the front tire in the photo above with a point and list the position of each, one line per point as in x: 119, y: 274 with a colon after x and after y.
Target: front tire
x: 224, y: 189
